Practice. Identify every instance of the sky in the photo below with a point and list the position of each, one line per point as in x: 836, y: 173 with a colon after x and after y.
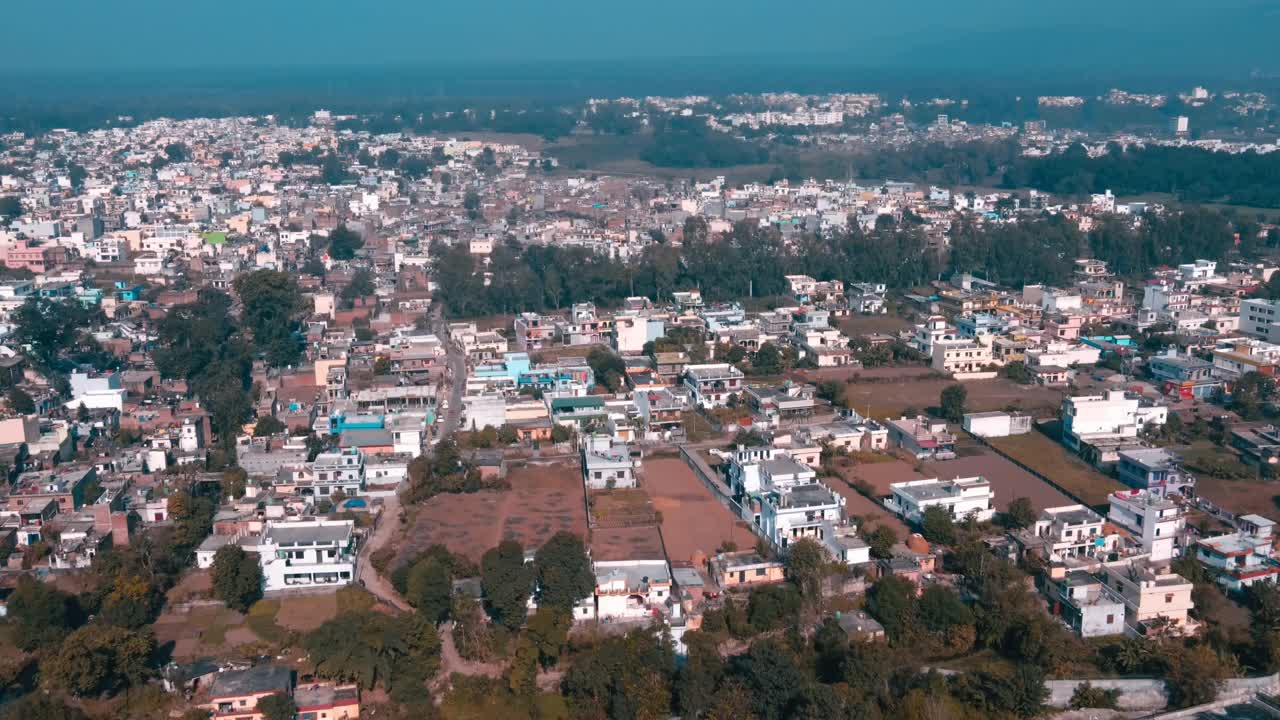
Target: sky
x: 998, y: 35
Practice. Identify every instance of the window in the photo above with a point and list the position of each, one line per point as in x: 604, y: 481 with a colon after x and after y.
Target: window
x: 1111, y: 619
x: 759, y: 572
x: 1168, y: 598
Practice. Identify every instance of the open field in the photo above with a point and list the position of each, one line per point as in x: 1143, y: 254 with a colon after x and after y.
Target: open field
x: 544, y: 499
x: 1051, y: 459
x: 886, y: 392
x: 1241, y: 496
x: 857, y: 325
x: 692, y: 520
x: 641, y: 542
x: 620, y: 508
x: 1008, y: 481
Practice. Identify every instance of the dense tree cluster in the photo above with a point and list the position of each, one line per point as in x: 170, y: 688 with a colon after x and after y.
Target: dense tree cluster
x: 691, y: 143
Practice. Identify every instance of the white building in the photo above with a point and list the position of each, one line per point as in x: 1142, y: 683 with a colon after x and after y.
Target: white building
x: 965, y: 359
x: 607, y: 464
x: 961, y: 498
x: 1070, y: 531
x: 1157, y: 523
x: 1261, y: 319
x: 631, y: 589
x: 307, y: 553
x: 1114, y: 416
x: 339, y: 470
x: 996, y: 424
x: 1244, y: 557
x: 1062, y: 354
x: 711, y: 385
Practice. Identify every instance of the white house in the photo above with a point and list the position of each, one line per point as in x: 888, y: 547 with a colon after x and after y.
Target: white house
x: 1114, y: 416
x: 607, y: 464
x: 631, y: 589
x: 307, y: 553
x: 1155, y: 521
x: 961, y: 497
x: 712, y: 384
x: 1244, y: 557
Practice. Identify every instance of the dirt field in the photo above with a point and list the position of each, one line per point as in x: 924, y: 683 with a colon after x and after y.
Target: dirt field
x: 620, y: 508
x: 1008, y: 481
x: 692, y: 520
x: 1055, y: 462
x: 543, y: 500
x: 885, y: 392
x: 642, y: 542
x: 856, y: 325
x: 1241, y: 496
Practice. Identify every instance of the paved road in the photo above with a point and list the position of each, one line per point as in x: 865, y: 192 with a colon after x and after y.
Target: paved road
x: 456, y: 376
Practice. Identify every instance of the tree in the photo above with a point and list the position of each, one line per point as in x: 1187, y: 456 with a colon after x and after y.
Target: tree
x: 772, y: 676
x: 370, y: 648
x: 277, y: 707
x: 99, y: 658
x: 10, y: 207
x: 20, y: 402
x: 267, y: 426
x: 806, y: 563
x: 344, y: 242
x: 1018, y: 372
x: 563, y: 571
x: 560, y: 434
x: 429, y: 588
x: 42, y: 614
x: 272, y: 307
x: 41, y: 706
x: 360, y: 286
x: 549, y: 632
x: 882, y: 540
x: 937, y: 526
x: 1021, y: 513
x: 506, y: 582
x: 952, y: 402
x: 697, y: 678
x: 1194, y: 675
x: 236, y: 577
x: 892, y: 601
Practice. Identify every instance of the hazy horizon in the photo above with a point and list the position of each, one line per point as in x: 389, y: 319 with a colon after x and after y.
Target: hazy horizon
x: 1141, y: 37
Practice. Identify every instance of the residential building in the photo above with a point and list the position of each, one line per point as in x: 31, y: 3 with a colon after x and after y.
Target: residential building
x: 234, y: 694
x: 1184, y: 376
x: 1157, y: 523
x: 777, y: 405
x: 1087, y: 604
x: 736, y: 569
x: 1155, y: 470
x: 1258, y: 444
x: 1260, y: 318
x: 961, y: 498
x: 326, y: 701
x: 1151, y: 592
x: 1115, y: 416
x: 712, y: 384
x: 1067, y: 534
x: 925, y: 438
x: 607, y: 464
x: 996, y: 424
x: 1237, y: 356
x: 631, y: 589
x: 1244, y: 557
x: 307, y: 553
x: 964, y: 359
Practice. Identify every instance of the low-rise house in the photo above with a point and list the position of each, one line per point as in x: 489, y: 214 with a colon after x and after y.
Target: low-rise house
x: 326, y: 701
x: 607, y: 464
x: 1087, y: 605
x: 961, y: 498
x: 1258, y: 444
x: 997, y: 424
x: 735, y: 569
x: 1156, y: 470
x: 712, y: 385
x: 234, y: 694
x: 1156, y: 522
x: 1244, y: 557
x: 787, y: 403
x: 1151, y: 593
x: 1068, y: 533
x: 1184, y: 376
x: 922, y: 437
x: 631, y: 589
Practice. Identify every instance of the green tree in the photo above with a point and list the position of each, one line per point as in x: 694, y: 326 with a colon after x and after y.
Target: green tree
x: 99, y: 658
x: 41, y: 706
x: 549, y: 632
x: 236, y: 577
x: 506, y: 581
x: 892, y: 601
x: 772, y: 677
x: 952, y: 402
x: 344, y: 242
x: 806, y: 564
x: 881, y: 540
x: 429, y: 588
x: 272, y: 307
x: 267, y: 426
x: 277, y: 707
x: 697, y: 679
x: 40, y: 613
x: 1021, y: 513
x: 563, y: 571
x: 20, y: 402
x: 370, y: 648
x: 937, y: 526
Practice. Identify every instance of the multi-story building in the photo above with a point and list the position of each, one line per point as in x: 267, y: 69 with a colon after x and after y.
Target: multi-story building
x: 964, y: 358
x: 1151, y: 592
x: 1184, y: 376
x: 1244, y: 557
x: 607, y: 464
x: 631, y: 589
x: 1089, y: 419
x: 339, y: 470
x: 1067, y: 533
x: 662, y: 409
x: 1155, y: 470
x: 1086, y: 604
x: 712, y: 384
x: 1260, y: 318
x: 1237, y: 356
x: 961, y: 498
x: 307, y: 553
x: 923, y: 437
x: 1156, y: 522
x: 789, y: 513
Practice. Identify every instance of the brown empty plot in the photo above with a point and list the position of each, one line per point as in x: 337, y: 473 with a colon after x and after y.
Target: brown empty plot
x: 1040, y: 453
x: 1241, y: 496
x: 620, y: 508
x: 1008, y: 481
x: 632, y: 543
x: 886, y: 392
x: 544, y: 499
x: 692, y: 520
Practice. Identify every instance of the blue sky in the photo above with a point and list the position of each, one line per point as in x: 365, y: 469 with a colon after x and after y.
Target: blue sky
x: 159, y: 34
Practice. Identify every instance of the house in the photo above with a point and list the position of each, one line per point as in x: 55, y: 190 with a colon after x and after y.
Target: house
x: 670, y: 365
x: 662, y: 409
x: 1184, y: 376
x: 607, y: 464
x: 809, y: 510
x: 1151, y: 592
x: 326, y: 701
x: 1237, y: 356
x: 858, y: 626
x: 1258, y: 444
x: 961, y: 498
x: 1260, y: 318
x: 1156, y: 470
x: 1070, y: 532
x: 234, y: 694
x: 631, y: 589
x: 307, y: 553
x: 996, y: 424
x: 1155, y: 521
x: 736, y: 569
x: 1087, y: 604
x: 923, y: 437
x: 867, y: 298
x: 965, y: 359
x: 789, y: 402
x: 1091, y: 419
x: 1244, y: 557
x: 712, y: 384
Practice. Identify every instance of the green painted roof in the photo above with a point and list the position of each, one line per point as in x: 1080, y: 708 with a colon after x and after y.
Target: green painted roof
x: 215, y: 238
